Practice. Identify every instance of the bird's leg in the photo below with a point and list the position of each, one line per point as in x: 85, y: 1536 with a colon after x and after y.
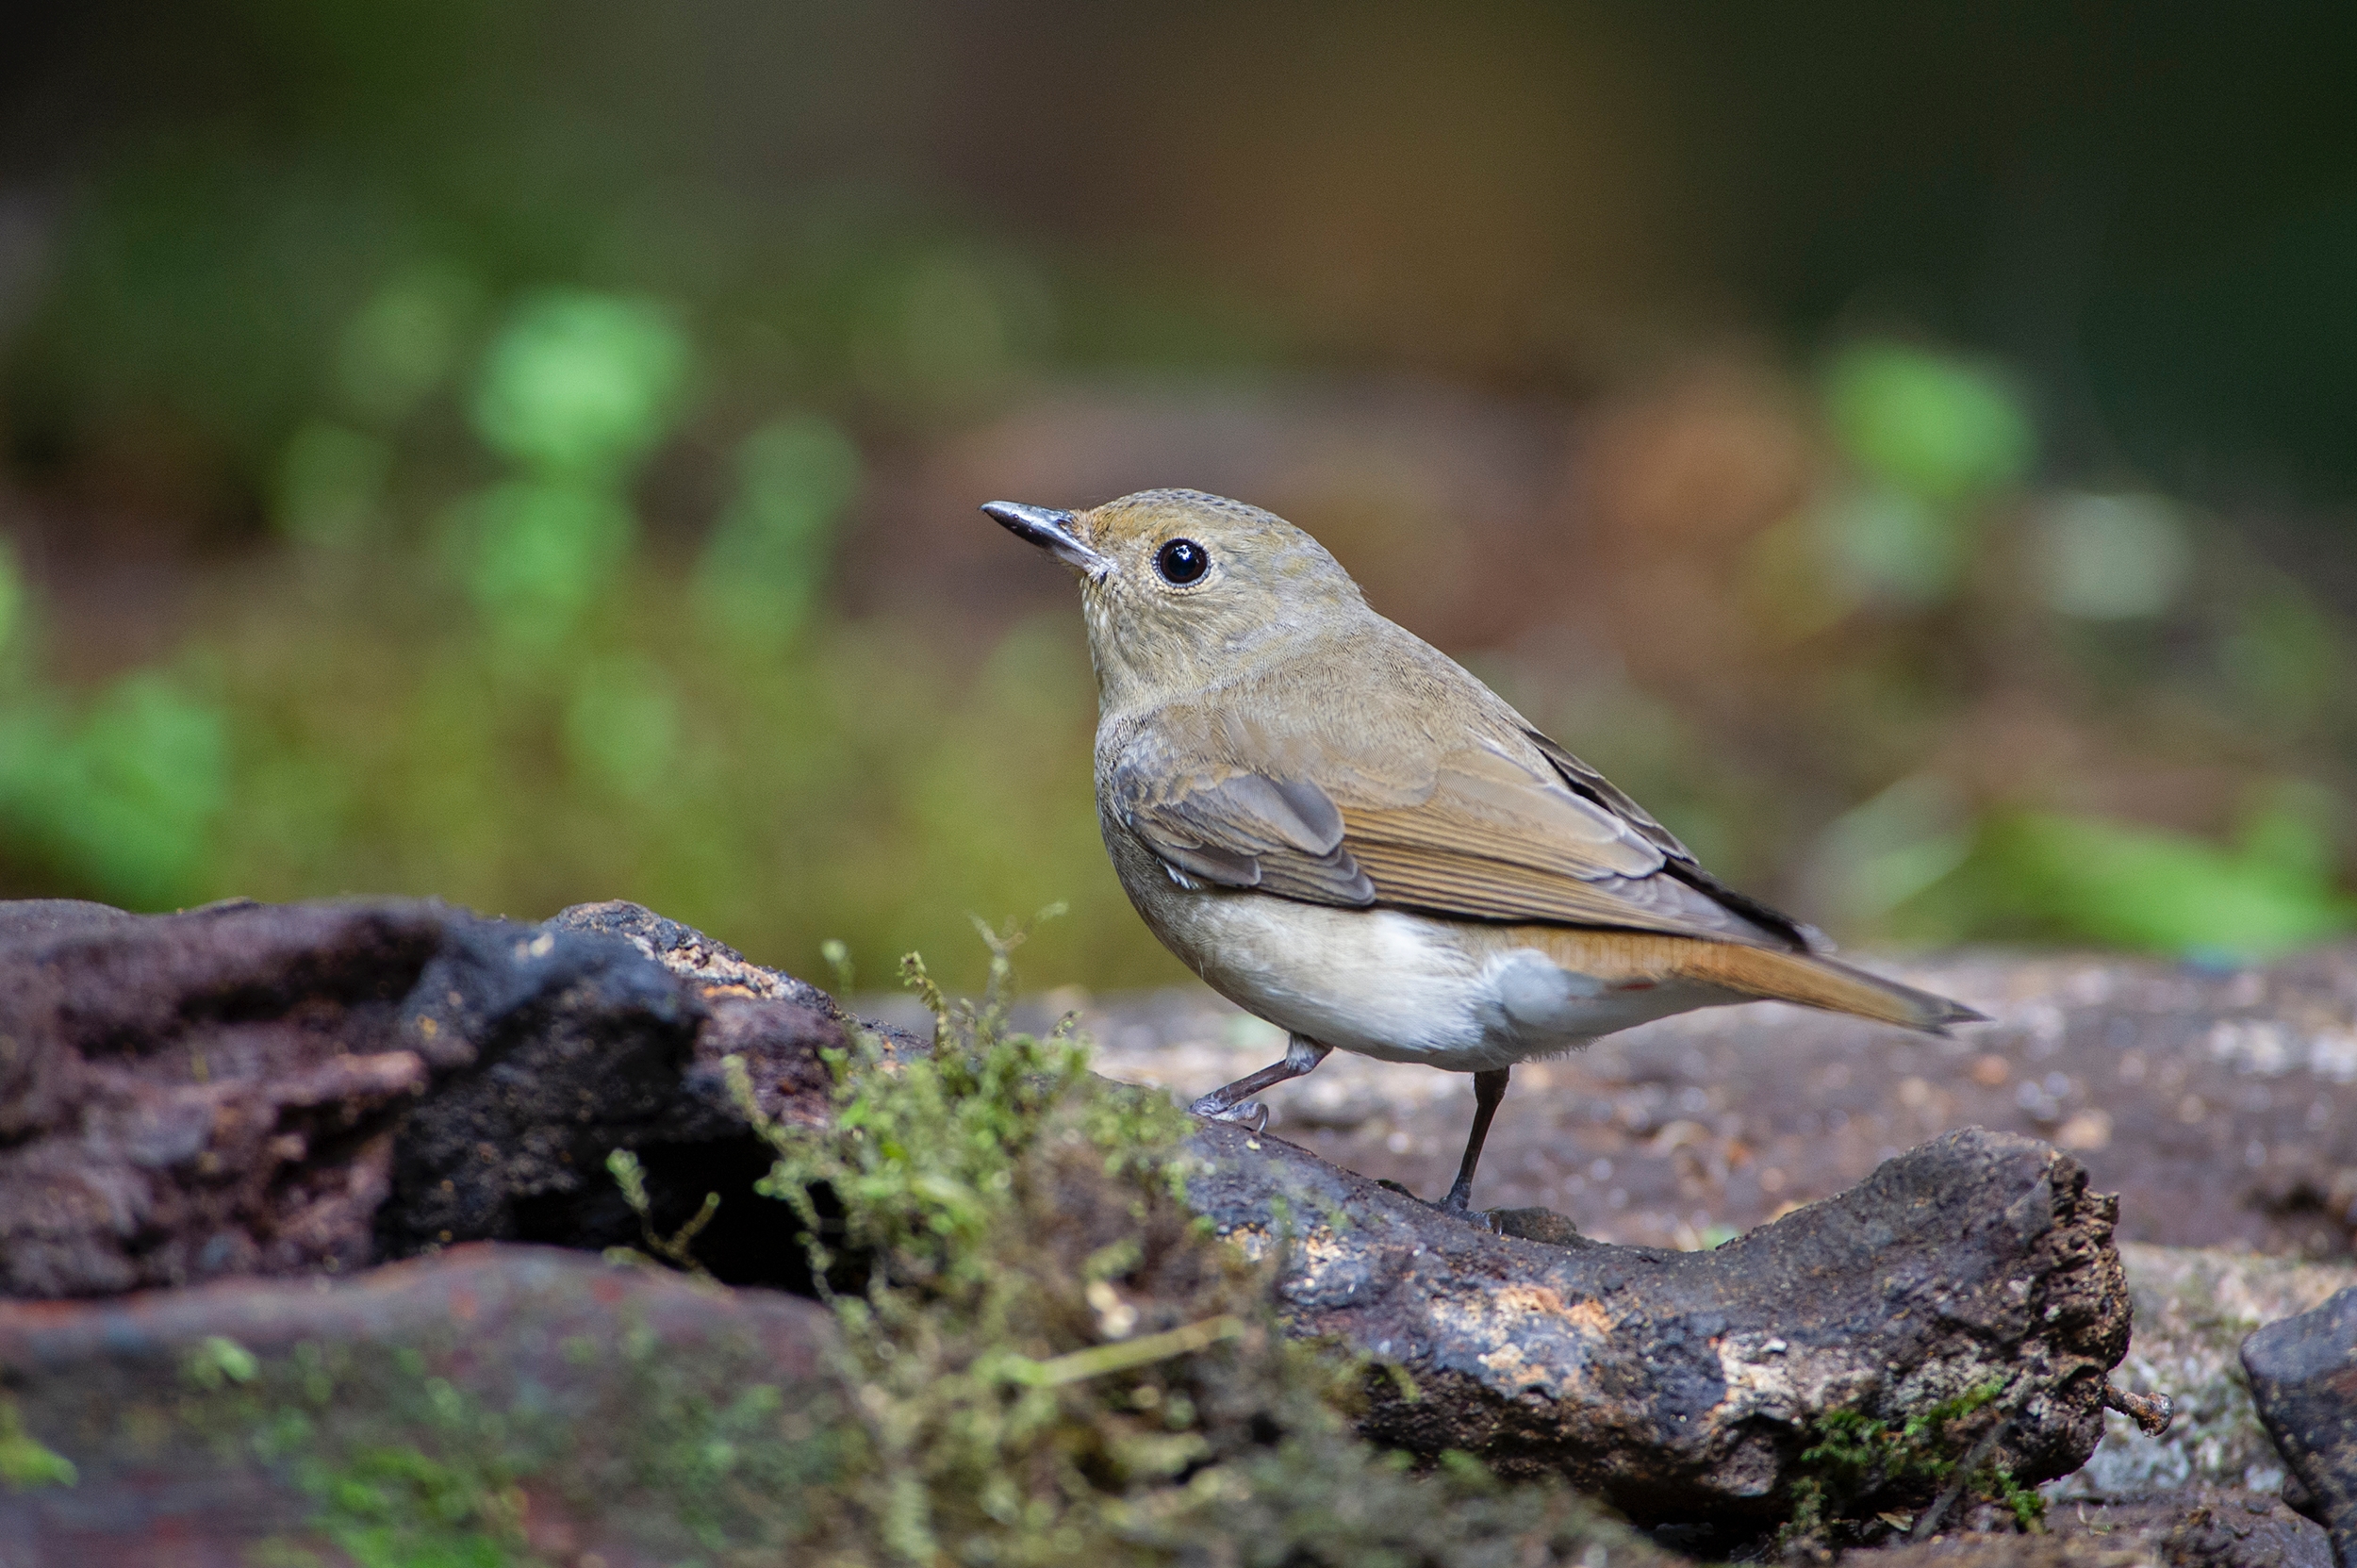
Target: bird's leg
x: 1234, y: 1103
x: 1489, y: 1089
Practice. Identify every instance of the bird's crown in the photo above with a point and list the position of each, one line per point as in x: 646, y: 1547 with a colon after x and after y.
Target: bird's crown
x: 1182, y: 589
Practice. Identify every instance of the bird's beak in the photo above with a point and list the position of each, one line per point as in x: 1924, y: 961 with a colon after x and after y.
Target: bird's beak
x: 1050, y: 530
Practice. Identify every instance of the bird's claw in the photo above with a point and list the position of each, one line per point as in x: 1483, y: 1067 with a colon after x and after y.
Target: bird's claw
x: 1250, y: 1114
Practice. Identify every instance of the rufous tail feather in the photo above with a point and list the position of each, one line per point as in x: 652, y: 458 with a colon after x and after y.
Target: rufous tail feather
x: 1810, y: 979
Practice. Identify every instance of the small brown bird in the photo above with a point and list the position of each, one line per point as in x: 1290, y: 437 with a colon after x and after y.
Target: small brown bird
x: 1347, y: 834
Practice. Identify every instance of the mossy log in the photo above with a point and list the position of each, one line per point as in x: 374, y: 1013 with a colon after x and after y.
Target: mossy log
x: 1688, y: 1384
x: 491, y: 1404
x: 282, y: 1090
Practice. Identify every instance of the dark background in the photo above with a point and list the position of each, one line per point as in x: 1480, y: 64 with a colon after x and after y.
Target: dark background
x: 527, y: 453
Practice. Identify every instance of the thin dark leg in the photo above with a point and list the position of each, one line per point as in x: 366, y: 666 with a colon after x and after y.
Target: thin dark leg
x: 1489, y: 1089
x: 1234, y: 1103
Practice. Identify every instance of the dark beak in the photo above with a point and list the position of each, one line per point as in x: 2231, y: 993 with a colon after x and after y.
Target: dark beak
x: 1050, y: 530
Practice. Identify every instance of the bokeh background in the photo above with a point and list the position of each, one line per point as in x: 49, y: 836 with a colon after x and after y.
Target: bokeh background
x: 527, y: 453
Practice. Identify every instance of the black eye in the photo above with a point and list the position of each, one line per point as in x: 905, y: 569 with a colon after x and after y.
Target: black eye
x: 1181, y: 561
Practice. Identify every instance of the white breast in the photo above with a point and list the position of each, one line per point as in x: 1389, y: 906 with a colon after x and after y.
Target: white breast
x: 1397, y: 986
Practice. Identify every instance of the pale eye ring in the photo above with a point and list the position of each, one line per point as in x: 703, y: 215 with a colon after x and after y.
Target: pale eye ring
x: 1181, y: 562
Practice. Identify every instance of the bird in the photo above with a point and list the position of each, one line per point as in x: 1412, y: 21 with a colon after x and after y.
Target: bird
x: 1348, y: 835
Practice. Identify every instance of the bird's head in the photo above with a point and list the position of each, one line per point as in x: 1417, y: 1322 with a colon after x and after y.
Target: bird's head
x: 1183, y: 589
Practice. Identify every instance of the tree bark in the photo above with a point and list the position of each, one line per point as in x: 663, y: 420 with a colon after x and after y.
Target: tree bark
x: 1686, y: 1384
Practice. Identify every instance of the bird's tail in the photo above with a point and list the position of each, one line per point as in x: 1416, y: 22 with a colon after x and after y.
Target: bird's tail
x: 1813, y: 979
x: 1637, y: 958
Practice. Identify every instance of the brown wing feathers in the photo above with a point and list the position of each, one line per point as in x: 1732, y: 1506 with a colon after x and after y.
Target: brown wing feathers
x: 1493, y: 842
x: 1245, y: 830
x: 1453, y: 880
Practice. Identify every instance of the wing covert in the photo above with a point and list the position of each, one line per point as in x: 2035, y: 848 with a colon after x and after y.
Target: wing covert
x: 1239, y: 829
x: 1500, y: 825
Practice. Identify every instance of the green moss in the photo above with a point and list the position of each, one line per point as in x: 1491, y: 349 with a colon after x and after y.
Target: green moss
x: 686, y: 1456
x: 26, y: 1463
x: 1856, y: 1466
x: 217, y: 1362
x: 1054, y: 1364
x: 678, y: 1249
x: 397, y: 1506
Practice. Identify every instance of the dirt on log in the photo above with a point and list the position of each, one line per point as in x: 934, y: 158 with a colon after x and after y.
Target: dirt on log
x: 254, y: 1090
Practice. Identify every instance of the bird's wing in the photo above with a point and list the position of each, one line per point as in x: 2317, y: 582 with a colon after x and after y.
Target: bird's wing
x: 1604, y: 792
x: 1488, y: 825
x: 1240, y: 828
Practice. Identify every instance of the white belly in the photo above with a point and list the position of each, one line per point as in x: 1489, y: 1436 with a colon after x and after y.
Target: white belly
x: 1401, y: 987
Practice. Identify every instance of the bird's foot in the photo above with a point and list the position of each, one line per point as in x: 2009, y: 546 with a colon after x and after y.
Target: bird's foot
x: 1480, y: 1219
x: 1486, y: 1219
x: 1248, y: 1114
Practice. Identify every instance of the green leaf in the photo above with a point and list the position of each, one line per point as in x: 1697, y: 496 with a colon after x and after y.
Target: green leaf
x: 127, y: 799
x: 1939, y: 427
x: 581, y: 385
x: 2089, y: 879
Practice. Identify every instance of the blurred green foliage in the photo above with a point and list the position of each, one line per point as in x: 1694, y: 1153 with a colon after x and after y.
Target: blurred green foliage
x: 514, y: 701
x: 852, y: 784
x: 1929, y: 438
x: 1929, y: 425
x: 581, y: 387
x: 538, y: 708
x: 476, y: 676
x: 760, y: 573
x: 129, y: 793
x: 2043, y: 876
x: 1945, y: 447
x: 557, y: 436
x: 2111, y: 557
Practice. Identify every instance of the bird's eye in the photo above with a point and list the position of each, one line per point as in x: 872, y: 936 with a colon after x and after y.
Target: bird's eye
x: 1181, y: 561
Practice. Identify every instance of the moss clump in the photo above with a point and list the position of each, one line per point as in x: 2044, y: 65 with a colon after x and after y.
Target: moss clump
x: 1054, y: 1362
x: 1046, y: 1360
x: 402, y: 1468
x: 679, y: 1457
x: 394, y: 1506
x: 1855, y: 1465
x: 26, y: 1464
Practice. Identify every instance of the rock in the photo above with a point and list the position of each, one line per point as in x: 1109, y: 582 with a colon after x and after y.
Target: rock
x: 492, y: 1403
x: 2193, y: 1308
x: 2199, y: 1527
x: 574, y: 1045
x: 250, y: 1089
x: 1684, y: 1385
x: 2304, y: 1378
